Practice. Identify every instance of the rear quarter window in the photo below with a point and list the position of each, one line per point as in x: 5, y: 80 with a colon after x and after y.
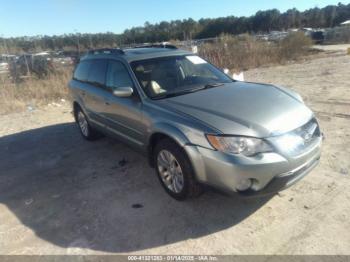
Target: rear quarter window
x: 82, y: 71
x: 97, y: 72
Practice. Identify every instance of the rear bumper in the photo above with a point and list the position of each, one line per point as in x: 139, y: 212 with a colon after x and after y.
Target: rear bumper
x: 269, y: 172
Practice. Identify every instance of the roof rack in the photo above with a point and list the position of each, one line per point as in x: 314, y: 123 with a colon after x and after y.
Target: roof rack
x: 156, y: 46
x: 106, y: 51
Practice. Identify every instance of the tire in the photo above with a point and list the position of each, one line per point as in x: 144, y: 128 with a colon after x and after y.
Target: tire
x: 85, y: 128
x: 168, y: 167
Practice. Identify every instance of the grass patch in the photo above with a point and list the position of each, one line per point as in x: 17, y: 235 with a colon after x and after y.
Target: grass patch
x: 35, y: 92
x: 244, y: 52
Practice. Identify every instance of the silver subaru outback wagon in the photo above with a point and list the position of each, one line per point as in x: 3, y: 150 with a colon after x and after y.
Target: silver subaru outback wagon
x: 196, y: 125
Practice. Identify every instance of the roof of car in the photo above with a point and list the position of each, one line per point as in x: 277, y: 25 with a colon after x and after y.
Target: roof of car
x: 135, y: 54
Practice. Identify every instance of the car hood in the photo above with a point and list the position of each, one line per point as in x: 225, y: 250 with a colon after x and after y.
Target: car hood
x: 242, y: 108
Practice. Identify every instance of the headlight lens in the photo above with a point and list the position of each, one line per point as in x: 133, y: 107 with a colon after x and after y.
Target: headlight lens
x: 247, y: 146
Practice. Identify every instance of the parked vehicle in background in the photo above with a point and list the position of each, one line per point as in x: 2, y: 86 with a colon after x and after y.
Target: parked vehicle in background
x: 65, y: 58
x: 318, y: 37
x: 5, y: 61
x: 64, y: 61
x: 4, y: 67
x: 39, y: 64
x: 196, y: 124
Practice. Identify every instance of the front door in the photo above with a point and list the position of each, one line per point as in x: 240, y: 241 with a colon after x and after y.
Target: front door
x: 123, y: 115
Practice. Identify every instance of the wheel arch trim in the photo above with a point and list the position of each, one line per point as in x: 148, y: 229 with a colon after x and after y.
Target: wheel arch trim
x: 161, y: 131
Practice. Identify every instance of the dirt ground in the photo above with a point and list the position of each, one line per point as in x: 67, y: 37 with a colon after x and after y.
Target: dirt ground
x: 62, y: 195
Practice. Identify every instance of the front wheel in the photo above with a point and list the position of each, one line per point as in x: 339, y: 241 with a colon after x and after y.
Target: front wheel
x: 174, y: 171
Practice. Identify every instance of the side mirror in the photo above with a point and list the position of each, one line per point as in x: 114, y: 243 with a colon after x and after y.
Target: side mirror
x: 126, y: 91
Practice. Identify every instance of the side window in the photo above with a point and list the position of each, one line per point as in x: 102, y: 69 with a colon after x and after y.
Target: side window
x: 97, y: 72
x: 82, y: 71
x: 118, y: 76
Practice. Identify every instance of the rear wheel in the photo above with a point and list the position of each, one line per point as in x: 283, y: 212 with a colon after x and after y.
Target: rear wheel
x: 85, y: 128
x: 175, y: 171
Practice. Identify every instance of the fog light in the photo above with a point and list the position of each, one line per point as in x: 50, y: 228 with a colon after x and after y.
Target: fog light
x: 244, y: 184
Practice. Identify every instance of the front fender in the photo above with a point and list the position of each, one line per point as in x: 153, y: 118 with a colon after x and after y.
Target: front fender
x: 168, y: 130
x: 171, y: 131
x: 182, y: 140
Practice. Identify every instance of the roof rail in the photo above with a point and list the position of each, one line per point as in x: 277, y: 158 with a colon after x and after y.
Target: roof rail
x: 106, y: 51
x: 156, y: 46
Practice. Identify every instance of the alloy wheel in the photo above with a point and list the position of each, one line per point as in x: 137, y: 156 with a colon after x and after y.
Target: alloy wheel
x: 83, y: 124
x: 170, y: 171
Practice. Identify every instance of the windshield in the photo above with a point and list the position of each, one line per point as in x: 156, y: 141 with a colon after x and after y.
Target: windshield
x: 176, y: 75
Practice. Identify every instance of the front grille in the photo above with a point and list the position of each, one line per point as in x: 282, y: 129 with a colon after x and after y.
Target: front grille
x: 309, y: 132
x: 299, y: 140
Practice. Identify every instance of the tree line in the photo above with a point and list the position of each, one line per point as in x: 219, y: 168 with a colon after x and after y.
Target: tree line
x: 261, y: 22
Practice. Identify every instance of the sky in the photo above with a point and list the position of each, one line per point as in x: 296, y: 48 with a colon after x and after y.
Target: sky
x: 55, y: 17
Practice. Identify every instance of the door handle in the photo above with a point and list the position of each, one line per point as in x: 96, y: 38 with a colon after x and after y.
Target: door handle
x: 83, y: 93
x: 107, y: 103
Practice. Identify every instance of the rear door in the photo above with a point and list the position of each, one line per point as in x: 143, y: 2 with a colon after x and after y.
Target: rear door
x: 123, y: 115
x: 79, y: 83
x: 96, y: 92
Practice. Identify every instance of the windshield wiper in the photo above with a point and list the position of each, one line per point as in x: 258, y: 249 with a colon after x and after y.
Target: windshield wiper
x: 183, y: 92
x: 207, y: 86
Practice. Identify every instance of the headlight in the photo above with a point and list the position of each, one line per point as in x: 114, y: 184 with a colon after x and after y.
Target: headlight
x: 247, y: 146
